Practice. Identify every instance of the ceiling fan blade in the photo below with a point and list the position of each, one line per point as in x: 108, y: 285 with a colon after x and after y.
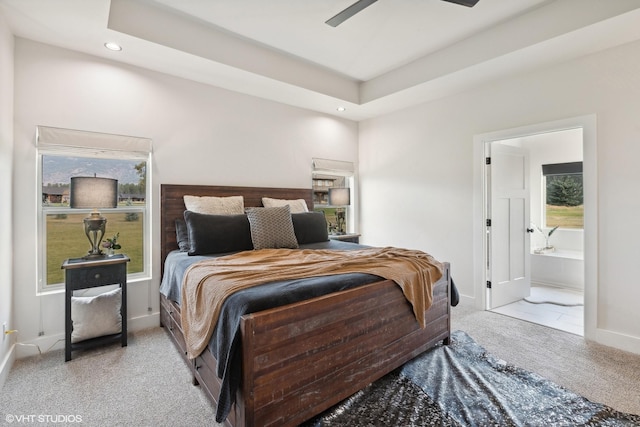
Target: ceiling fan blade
x: 468, y: 3
x: 349, y: 12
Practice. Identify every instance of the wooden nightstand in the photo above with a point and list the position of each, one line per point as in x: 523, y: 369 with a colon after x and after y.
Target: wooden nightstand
x: 353, y: 238
x: 83, y: 273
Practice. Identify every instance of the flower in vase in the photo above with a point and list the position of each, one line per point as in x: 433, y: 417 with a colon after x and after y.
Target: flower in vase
x: 112, y: 243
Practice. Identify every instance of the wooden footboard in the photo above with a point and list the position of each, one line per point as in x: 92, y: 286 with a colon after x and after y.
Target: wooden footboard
x: 303, y: 358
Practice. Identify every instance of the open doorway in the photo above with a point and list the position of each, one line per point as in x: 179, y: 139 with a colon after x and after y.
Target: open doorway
x: 551, y: 291
x: 482, y: 272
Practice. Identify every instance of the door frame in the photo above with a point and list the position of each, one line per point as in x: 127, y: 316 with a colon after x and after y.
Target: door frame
x: 590, y: 183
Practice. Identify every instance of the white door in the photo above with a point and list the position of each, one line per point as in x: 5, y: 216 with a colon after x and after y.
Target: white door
x: 509, y: 272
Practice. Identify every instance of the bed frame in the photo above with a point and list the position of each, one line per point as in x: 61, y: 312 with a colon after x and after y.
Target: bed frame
x: 300, y: 359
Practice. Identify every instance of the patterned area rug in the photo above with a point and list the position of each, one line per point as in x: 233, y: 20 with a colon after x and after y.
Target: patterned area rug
x: 463, y: 385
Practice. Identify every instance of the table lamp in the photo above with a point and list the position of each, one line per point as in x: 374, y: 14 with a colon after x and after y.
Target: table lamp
x: 340, y: 197
x: 94, y: 193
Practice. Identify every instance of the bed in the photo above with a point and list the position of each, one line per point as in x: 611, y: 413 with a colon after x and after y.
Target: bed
x: 299, y: 359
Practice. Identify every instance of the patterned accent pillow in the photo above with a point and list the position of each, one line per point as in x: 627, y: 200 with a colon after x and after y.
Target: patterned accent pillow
x: 232, y: 205
x: 272, y: 228
x: 296, y: 206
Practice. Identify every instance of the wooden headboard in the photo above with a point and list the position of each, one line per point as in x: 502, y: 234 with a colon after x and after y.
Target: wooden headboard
x: 172, y: 204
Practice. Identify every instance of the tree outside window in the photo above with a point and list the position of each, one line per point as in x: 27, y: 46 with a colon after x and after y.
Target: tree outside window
x: 564, y: 195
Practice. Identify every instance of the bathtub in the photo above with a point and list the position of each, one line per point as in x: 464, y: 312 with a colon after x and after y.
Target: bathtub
x: 562, y: 268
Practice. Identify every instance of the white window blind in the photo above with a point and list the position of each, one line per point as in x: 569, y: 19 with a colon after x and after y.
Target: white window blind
x: 334, y: 167
x: 83, y: 143
x: 572, y: 168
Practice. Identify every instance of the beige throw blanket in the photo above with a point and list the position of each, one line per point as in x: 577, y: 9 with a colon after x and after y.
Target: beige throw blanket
x: 208, y: 283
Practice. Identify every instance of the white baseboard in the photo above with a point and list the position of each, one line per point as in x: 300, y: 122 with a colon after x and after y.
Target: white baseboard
x: 556, y: 285
x: 471, y: 301
x: 618, y: 340
x: 56, y: 341
x: 41, y: 344
x: 468, y: 299
x: 7, y: 364
x: 144, y: 322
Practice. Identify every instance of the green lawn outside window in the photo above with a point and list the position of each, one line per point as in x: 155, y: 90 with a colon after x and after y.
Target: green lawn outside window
x: 66, y: 239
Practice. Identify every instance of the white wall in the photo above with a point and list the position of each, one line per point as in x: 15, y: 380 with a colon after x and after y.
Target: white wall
x: 6, y: 182
x: 201, y: 135
x: 417, y: 180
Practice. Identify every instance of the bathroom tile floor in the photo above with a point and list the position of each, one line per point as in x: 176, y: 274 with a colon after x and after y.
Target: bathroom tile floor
x: 565, y: 318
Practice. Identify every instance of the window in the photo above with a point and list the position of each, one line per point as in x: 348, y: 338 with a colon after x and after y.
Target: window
x: 328, y: 175
x: 61, y: 233
x: 564, y: 195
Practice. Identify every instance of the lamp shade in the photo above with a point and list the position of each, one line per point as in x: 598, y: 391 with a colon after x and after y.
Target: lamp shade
x: 339, y: 197
x: 88, y: 192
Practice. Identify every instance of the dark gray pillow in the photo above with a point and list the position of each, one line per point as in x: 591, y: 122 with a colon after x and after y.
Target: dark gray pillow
x: 182, y: 235
x: 272, y: 228
x: 310, y: 227
x: 215, y: 234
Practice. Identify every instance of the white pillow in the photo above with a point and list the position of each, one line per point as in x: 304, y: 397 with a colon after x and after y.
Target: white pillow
x: 96, y: 316
x: 210, y: 205
x: 296, y: 206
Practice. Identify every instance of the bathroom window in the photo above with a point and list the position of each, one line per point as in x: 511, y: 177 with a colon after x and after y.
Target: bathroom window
x: 564, y: 195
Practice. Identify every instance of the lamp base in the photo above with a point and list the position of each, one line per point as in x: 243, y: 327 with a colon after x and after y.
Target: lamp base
x: 340, y: 221
x: 94, y: 227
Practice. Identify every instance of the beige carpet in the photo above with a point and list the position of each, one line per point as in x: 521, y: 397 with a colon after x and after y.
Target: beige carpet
x: 143, y: 384
x: 147, y: 384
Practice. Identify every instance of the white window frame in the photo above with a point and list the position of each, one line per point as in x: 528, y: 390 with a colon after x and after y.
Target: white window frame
x: 73, y: 143
x: 348, y: 171
x: 544, y: 190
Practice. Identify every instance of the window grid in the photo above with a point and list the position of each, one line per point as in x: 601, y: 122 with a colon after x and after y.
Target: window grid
x: 129, y: 219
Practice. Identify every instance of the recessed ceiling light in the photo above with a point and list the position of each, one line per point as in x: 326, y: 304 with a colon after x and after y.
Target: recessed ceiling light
x: 341, y: 109
x: 113, y: 46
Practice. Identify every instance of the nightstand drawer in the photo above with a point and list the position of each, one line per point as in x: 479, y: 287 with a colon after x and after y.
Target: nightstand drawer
x: 95, y: 276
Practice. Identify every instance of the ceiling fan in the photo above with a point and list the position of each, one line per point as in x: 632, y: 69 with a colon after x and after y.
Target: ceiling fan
x: 361, y: 4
